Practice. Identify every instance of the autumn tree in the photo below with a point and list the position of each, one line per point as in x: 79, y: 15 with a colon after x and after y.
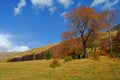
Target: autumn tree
x: 110, y: 17
x: 81, y: 20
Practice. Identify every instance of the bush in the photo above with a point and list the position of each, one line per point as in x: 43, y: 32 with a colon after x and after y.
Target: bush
x: 115, y: 55
x: 96, y: 56
x: 111, y: 55
x: 48, y: 56
x: 68, y: 58
x: 55, y: 63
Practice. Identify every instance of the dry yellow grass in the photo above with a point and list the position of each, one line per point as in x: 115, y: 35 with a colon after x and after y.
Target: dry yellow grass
x: 85, y: 69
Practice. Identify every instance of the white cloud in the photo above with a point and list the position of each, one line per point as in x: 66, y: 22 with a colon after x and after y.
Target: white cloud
x: 42, y: 3
x: 109, y: 4
x: 17, y: 9
x: 6, y: 44
x: 97, y: 2
x: 19, y: 49
x: 66, y: 3
x: 106, y: 4
x: 63, y: 14
x: 52, y: 9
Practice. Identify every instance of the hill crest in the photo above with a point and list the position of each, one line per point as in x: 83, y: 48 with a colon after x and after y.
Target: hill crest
x: 117, y: 27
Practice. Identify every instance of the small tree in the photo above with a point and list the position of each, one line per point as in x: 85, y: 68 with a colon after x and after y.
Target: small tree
x: 48, y: 55
x: 110, y: 17
x: 67, y: 59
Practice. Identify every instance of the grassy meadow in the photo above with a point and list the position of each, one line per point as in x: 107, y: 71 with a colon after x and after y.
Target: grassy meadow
x: 84, y: 69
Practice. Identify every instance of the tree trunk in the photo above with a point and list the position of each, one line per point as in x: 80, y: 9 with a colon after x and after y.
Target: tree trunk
x: 85, y: 55
x: 94, y: 42
x: 110, y: 41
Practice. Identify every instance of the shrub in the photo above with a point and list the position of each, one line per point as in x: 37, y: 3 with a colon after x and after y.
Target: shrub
x: 55, y: 63
x: 111, y: 55
x: 96, y: 56
x: 48, y: 56
x: 117, y: 54
x: 114, y: 55
x: 68, y: 58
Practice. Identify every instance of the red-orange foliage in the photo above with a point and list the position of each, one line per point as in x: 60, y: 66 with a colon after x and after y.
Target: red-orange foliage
x: 104, y: 46
x: 67, y: 35
x: 66, y: 48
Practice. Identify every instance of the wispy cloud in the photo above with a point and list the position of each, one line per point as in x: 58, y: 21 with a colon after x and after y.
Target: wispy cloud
x: 6, y: 44
x: 63, y: 14
x: 52, y: 9
x: 42, y: 3
x: 109, y: 5
x: 97, y: 2
x: 105, y: 4
x: 66, y: 3
x: 17, y: 9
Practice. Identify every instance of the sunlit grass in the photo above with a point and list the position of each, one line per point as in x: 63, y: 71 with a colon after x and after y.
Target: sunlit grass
x: 85, y: 69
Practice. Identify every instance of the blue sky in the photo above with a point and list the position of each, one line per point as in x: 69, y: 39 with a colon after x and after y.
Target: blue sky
x: 27, y: 24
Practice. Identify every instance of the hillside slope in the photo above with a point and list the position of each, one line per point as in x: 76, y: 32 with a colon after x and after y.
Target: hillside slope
x: 35, y: 50
x: 7, y: 54
x: 117, y: 27
x: 55, y: 49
